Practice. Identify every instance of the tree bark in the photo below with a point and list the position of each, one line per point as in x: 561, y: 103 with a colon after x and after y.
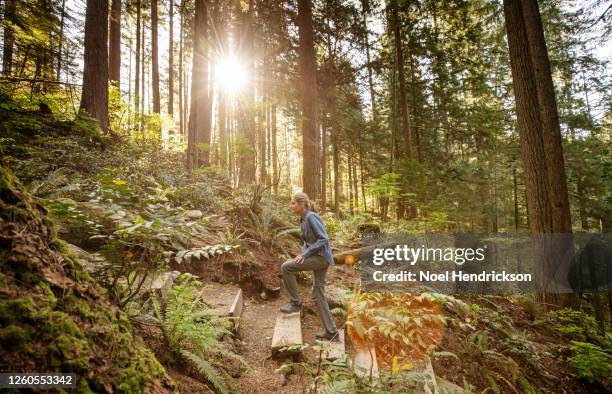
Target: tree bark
x: 247, y: 142
x: 551, y: 130
x: 181, y: 75
x: 143, y: 81
x: 355, y: 183
x: 366, y: 41
x: 199, y: 125
x: 337, y: 175
x: 323, y: 162
x: 9, y: 37
x: 274, y: 131
x: 533, y: 104
x: 408, y: 140
x: 171, y: 59
x: 308, y: 77
x: 94, y: 98
x: 528, y: 120
x: 60, y: 46
x: 155, y: 58
x: 114, y: 47
x: 137, y: 63
x: 515, y: 195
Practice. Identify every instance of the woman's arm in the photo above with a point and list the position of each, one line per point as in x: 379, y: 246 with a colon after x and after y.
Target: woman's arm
x: 318, y: 228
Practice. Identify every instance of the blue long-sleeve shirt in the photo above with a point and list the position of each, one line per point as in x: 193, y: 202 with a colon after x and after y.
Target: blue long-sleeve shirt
x: 316, y: 240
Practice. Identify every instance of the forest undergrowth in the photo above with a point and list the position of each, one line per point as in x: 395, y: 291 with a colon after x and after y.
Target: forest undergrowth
x: 135, y: 217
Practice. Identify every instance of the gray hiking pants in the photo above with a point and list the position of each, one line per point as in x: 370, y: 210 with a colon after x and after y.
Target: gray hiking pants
x: 319, y: 265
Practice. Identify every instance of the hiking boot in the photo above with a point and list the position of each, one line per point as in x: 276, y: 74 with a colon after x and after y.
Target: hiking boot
x: 328, y: 336
x: 291, y: 308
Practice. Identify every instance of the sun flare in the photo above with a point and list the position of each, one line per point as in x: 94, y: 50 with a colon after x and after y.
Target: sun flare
x: 231, y: 75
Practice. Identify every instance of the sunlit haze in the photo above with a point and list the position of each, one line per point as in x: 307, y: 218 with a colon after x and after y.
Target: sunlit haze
x: 230, y: 75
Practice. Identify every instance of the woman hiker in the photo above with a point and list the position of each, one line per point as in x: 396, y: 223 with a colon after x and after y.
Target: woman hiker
x: 317, y: 257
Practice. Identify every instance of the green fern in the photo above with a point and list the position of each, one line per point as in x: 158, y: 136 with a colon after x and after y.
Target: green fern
x: 206, y: 369
x: 192, y: 332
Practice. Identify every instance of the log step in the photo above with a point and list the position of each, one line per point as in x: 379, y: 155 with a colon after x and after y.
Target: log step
x: 224, y: 301
x: 236, y: 309
x: 287, y: 332
x: 334, y: 350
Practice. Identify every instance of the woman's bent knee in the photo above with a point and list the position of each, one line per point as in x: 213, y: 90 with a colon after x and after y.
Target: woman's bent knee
x: 286, y: 266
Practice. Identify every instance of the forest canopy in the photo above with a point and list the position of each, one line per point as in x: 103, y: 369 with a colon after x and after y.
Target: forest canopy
x: 402, y: 109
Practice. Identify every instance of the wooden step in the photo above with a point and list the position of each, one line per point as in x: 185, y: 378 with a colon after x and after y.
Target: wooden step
x: 236, y: 309
x: 334, y: 350
x: 287, y: 332
x: 365, y: 362
x: 225, y: 300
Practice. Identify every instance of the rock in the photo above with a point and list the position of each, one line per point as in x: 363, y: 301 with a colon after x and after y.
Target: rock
x: 194, y: 214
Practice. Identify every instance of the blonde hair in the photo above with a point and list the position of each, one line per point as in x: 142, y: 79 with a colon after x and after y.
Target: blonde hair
x: 303, y: 198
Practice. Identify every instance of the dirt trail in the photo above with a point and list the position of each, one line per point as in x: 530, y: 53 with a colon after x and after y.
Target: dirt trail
x: 256, y: 329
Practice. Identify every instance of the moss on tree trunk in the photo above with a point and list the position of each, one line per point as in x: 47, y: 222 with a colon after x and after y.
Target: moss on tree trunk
x: 54, y: 318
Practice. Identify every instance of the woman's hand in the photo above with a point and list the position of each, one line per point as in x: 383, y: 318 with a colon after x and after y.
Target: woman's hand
x: 299, y: 259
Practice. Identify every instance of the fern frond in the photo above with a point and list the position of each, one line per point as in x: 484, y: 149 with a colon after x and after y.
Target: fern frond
x: 231, y: 355
x: 207, y: 370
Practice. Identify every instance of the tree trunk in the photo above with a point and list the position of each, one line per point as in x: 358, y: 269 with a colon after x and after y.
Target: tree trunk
x: 355, y: 183
x: 137, y: 62
x: 582, y: 199
x: 246, y: 141
x: 221, y: 126
x: 199, y: 125
x: 308, y: 69
x: 60, y: 46
x: 181, y: 75
x: 551, y: 131
x: 530, y: 113
x: 275, y: 169
x: 155, y: 58
x: 114, y: 45
x: 94, y: 98
x: 528, y: 120
x: 337, y: 175
x: 413, y: 88
x: 171, y: 59
x: 129, y: 80
x: 262, y: 127
x: 143, y: 81
x: 517, y: 218
x: 9, y: 37
x: 408, y: 140
x: 323, y: 162
x: 349, y: 165
x: 366, y: 42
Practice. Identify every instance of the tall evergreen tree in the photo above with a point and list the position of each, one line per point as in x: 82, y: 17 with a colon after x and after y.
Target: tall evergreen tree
x: 114, y: 47
x: 199, y: 124
x: 94, y: 98
x: 155, y: 57
x: 308, y: 78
